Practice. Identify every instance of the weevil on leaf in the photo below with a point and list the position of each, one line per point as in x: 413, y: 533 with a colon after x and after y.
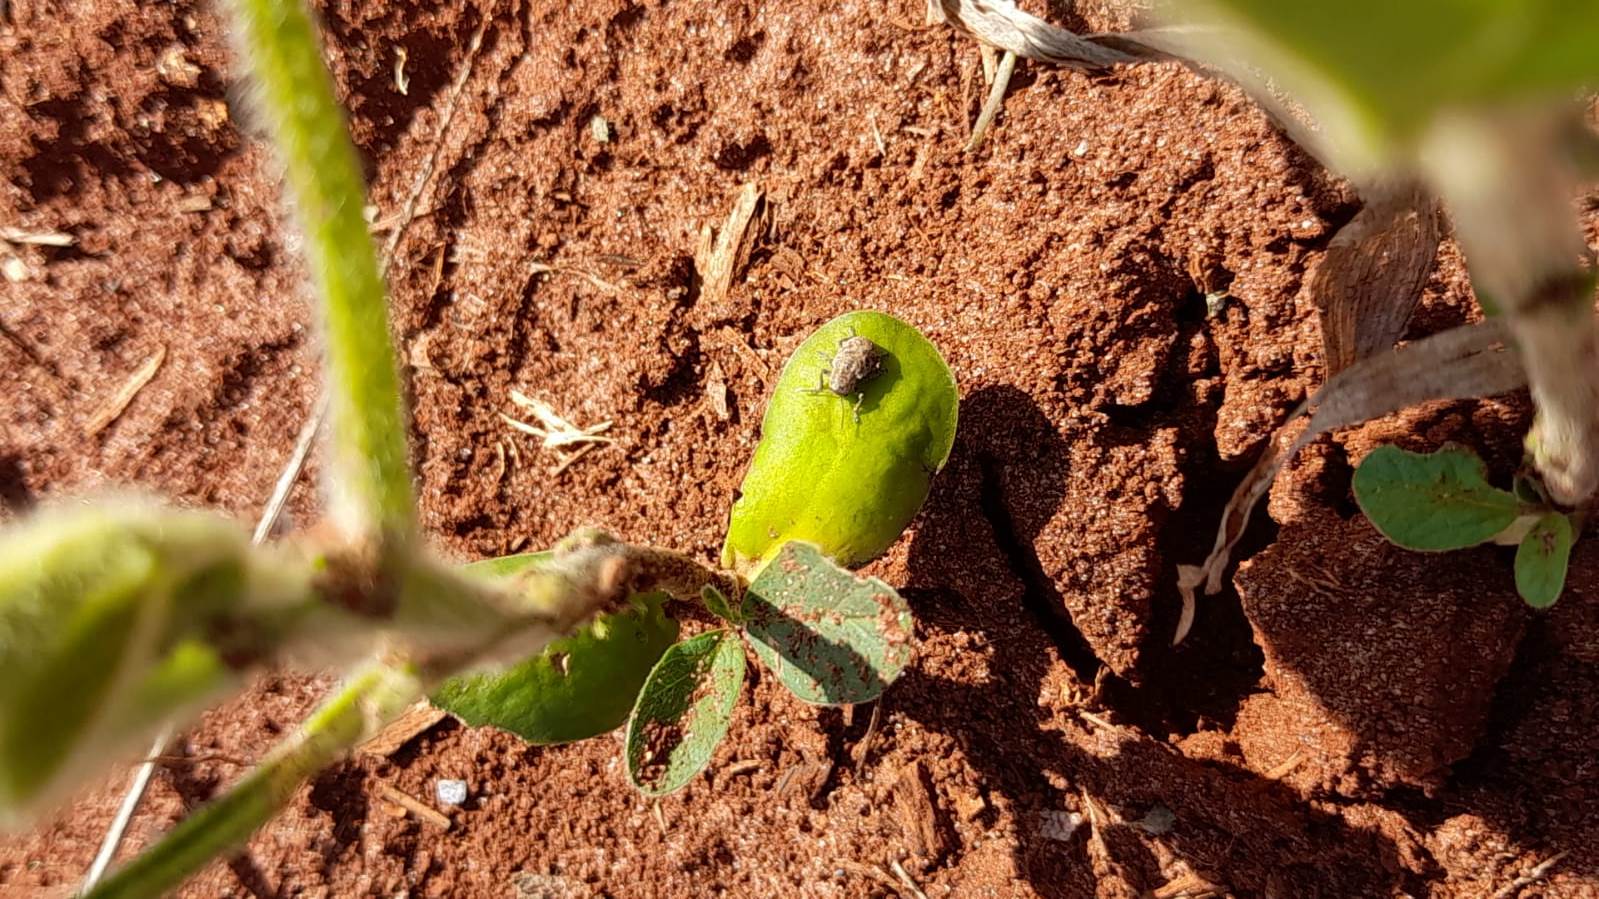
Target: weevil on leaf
x: 857, y: 361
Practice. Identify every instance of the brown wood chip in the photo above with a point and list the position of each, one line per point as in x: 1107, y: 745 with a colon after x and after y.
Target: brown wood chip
x: 412, y: 804
x: 727, y: 258
x: 918, y: 814
x: 417, y: 720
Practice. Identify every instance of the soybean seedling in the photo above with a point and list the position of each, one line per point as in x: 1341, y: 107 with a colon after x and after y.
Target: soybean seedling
x: 817, y: 496
x: 1441, y: 501
x: 119, y: 618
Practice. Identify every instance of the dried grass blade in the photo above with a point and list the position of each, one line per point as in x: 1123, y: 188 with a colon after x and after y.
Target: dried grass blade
x: 1002, y: 25
x: 1470, y: 361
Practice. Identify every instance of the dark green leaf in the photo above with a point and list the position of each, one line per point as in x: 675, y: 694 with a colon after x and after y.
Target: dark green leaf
x: 683, y: 711
x: 579, y: 686
x: 1433, y: 501
x: 1541, y: 560
x: 830, y: 636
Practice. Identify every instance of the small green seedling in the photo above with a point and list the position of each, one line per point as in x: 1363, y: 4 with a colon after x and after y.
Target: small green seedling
x: 821, y: 492
x: 1441, y: 501
x: 120, y: 619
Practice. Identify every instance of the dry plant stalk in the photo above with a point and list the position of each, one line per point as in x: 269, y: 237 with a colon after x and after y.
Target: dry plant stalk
x: 1002, y: 25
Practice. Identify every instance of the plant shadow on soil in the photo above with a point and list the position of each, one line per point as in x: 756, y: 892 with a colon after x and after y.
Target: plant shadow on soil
x: 1029, y: 750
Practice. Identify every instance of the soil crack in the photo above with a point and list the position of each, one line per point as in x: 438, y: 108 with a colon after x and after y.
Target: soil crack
x: 1040, y: 596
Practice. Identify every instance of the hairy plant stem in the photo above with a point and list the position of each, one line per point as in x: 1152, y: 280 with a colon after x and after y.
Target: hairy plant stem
x: 369, y: 699
x: 1509, y: 185
x: 369, y: 478
x: 446, y: 622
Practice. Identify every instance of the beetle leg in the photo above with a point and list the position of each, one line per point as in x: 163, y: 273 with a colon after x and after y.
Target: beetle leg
x: 821, y: 383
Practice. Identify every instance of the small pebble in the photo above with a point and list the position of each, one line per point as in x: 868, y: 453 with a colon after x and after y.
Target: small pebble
x: 1058, y: 825
x: 450, y: 792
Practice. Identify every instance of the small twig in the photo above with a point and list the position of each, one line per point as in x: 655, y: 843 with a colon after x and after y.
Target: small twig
x: 171, y: 760
x: 402, y: 81
x: 1287, y: 765
x: 540, y: 268
x: 1095, y: 720
x: 721, y: 265
x: 1533, y: 875
x: 290, y: 473
x: 905, y: 878
x: 113, y: 408
x: 781, y: 788
x: 873, y: 872
x: 1001, y: 24
x: 660, y: 816
x: 752, y: 358
x: 555, y: 432
x: 996, y: 99
x: 409, y: 209
x: 119, y: 824
x: 1188, y: 886
x: 413, y: 805
x: 36, y: 238
x: 571, y: 460
x: 865, y: 745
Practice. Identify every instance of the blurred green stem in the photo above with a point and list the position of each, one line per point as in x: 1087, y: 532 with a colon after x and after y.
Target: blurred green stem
x: 370, y: 478
x: 1509, y: 184
x: 373, y: 697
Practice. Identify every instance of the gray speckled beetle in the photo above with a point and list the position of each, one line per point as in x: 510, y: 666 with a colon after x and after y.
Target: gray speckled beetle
x: 857, y: 361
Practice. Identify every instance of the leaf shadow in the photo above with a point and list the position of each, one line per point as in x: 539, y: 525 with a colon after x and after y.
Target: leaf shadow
x: 994, y: 679
x: 842, y: 674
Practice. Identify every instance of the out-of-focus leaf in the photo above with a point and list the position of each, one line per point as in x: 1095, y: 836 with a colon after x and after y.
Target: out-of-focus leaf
x: 579, y: 686
x: 1389, y: 68
x: 114, y: 618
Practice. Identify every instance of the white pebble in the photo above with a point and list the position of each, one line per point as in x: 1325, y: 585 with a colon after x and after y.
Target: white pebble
x: 450, y: 792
